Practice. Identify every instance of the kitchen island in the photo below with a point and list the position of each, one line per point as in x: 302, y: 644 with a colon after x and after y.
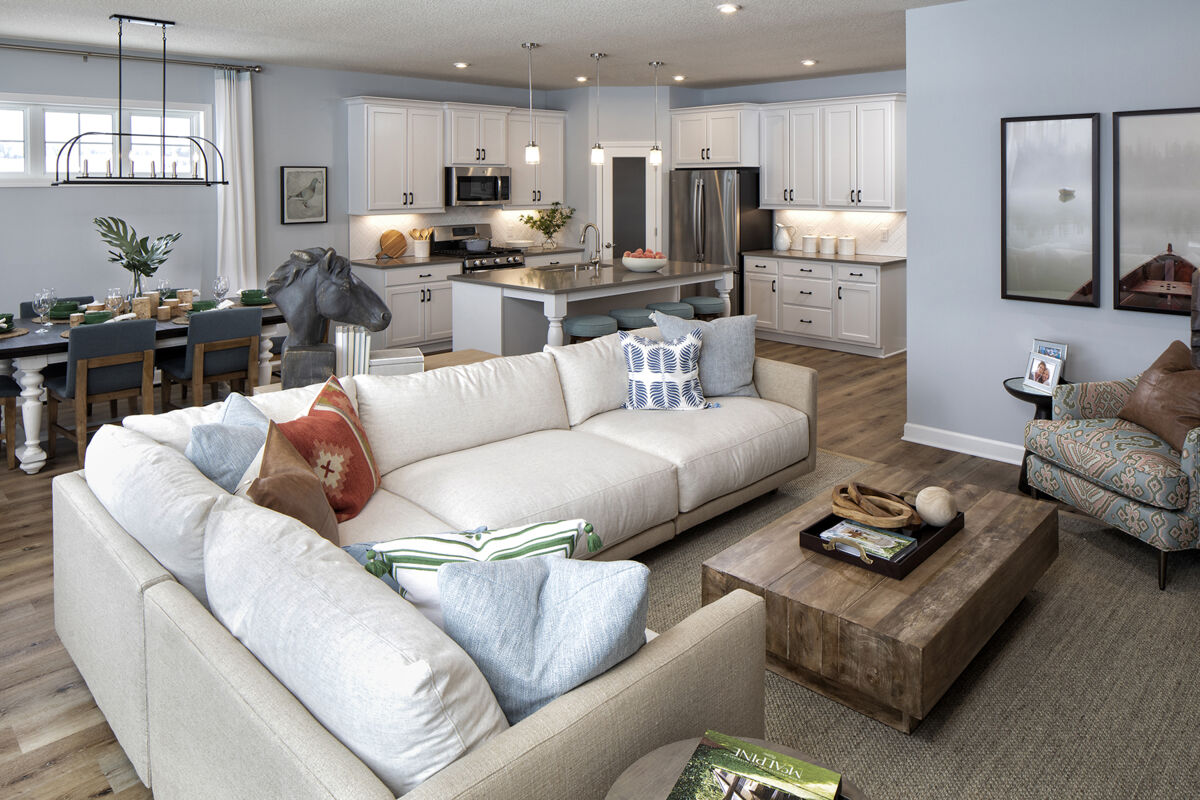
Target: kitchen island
x: 513, y: 311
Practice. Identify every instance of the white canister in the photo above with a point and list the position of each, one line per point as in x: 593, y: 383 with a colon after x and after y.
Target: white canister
x: 828, y: 244
x: 845, y: 245
x: 420, y: 248
x: 809, y: 243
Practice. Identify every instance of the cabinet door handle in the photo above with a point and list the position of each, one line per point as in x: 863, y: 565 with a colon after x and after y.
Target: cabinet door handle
x: 476, y: 153
x: 485, y: 154
x: 804, y: 292
x: 411, y: 200
x: 851, y: 196
x: 785, y: 195
x: 859, y: 200
x: 425, y: 275
x: 404, y: 195
x: 772, y: 287
x: 856, y: 274
x: 791, y: 194
x: 839, y: 293
x: 539, y: 195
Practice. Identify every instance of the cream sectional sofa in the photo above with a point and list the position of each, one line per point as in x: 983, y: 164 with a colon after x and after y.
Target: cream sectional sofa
x: 497, y: 443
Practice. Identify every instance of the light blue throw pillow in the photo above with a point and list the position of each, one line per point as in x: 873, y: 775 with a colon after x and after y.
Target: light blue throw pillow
x: 727, y: 358
x: 539, y: 627
x: 663, y: 375
x: 223, y: 450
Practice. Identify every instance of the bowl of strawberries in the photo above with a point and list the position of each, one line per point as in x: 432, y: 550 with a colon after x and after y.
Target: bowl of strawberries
x: 643, y: 260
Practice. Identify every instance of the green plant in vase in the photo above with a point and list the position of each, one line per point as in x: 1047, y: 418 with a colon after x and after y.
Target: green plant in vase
x: 140, y: 256
x: 548, y: 222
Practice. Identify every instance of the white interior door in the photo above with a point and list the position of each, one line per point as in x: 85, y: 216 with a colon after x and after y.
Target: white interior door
x: 651, y: 200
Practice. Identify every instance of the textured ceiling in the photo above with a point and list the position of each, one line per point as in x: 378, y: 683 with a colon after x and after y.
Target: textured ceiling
x: 765, y: 41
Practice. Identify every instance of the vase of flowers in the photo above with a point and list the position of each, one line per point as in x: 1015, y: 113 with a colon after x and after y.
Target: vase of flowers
x: 140, y: 256
x: 548, y: 222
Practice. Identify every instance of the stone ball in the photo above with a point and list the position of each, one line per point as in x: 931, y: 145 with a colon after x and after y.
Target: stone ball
x: 936, y: 505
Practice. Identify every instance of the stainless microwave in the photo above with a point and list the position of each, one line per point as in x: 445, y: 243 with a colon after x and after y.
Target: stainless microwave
x: 477, y: 186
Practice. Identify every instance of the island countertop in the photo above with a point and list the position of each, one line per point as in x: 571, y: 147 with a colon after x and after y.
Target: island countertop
x: 860, y: 258
x: 564, y: 281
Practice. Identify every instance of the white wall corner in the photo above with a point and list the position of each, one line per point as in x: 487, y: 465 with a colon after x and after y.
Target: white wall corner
x: 963, y: 443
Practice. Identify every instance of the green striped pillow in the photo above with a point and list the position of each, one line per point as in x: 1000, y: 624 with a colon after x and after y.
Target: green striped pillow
x: 413, y: 561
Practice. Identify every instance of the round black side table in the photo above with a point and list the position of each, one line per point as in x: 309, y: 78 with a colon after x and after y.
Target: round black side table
x: 1043, y: 405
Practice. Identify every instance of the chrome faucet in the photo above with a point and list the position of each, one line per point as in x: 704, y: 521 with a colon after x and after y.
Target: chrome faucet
x: 594, y: 261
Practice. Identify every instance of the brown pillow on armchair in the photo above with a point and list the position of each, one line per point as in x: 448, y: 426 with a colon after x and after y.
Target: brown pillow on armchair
x: 1167, y: 398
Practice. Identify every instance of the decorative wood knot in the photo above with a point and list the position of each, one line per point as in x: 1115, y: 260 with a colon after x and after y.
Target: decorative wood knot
x: 873, y: 507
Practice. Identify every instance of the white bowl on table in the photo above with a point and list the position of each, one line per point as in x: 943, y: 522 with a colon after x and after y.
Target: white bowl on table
x: 643, y: 264
x: 520, y: 244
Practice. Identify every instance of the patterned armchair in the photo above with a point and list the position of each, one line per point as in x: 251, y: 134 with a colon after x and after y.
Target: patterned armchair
x: 1114, y: 470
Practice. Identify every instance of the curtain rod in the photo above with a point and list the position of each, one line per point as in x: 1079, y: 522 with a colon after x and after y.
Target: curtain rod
x: 86, y: 54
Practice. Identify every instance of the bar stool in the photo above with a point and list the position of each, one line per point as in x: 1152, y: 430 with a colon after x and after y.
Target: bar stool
x: 10, y: 390
x: 629, y: 319
x: 705, y: 307
x: 681, y: 310
x: 588, y: 326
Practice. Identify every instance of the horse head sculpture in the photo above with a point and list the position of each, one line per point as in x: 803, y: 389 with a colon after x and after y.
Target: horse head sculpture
x: 317, y: 285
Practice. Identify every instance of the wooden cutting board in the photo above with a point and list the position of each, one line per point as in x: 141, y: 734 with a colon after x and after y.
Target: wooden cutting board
x: 392, y: 244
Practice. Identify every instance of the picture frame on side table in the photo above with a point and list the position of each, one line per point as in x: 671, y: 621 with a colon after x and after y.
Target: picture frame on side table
x: 303, y: 195
x: 1044, y: 347
x: 1042, y: 373
x: 1050, y: 209
x: 1156, y: 209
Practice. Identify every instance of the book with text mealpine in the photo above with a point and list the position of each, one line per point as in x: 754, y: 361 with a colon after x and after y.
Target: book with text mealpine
x: 723, y: 768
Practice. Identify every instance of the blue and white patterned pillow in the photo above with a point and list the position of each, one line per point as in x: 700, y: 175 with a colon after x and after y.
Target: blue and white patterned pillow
x: 663, y: 375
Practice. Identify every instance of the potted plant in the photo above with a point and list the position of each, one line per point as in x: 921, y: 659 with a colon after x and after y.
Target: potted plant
x: 548, y: 222
x: 140, y: 256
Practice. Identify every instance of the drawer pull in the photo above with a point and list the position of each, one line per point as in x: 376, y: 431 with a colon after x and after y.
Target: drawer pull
x: 554, y: 263
x: 804, y: 292
x: 856, y: 274
x: 807, y: 321
x: 805, y: 269
x: 760, y: 266
x: 425, y: 275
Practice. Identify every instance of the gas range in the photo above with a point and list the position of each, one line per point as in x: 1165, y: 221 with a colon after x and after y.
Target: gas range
x: 449, y: 240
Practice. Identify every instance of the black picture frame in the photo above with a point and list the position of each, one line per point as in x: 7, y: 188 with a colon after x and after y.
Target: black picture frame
x: 308, y: 190
x: 1011, y: 282
x: 1174, y: 172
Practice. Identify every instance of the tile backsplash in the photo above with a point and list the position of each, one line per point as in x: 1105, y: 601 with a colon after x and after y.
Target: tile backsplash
x: 867, y: 228
x: 365, y: 231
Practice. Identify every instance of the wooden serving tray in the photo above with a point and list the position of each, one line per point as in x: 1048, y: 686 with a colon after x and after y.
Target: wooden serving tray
x: 929, y: 538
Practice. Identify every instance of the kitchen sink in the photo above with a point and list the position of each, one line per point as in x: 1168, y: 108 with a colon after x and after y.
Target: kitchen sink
x: 563, y: 267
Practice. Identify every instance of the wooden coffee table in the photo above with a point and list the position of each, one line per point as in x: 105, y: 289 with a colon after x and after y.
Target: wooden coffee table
x: 886, y: 648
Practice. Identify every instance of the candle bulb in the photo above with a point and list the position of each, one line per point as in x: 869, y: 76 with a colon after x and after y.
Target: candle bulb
x: 153, y: 167
x: 132, y: 169
x: 85, y: 168
x: 195, y: 170
x: 174, y: 169
x: 108, y: 168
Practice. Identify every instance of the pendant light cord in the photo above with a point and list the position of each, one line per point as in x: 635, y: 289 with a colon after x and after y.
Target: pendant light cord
x: 529, y: 47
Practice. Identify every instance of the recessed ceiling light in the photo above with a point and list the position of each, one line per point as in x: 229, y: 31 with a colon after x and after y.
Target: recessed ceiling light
x: 461, y: 64
x: 581, y: 78
x: 680, y: 77
x: 808, y: 62
x: 729, y: 8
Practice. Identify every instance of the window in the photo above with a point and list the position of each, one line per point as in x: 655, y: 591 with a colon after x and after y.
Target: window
x: 33, y: 131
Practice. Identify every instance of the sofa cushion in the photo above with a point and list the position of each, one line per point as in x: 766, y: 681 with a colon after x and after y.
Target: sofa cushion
x: 287, y: 484
x: 592, y: 375
x: 409, y: 418
x: 223, y: 450
x: 727, y: 357
x: 725, y: 449
x: 157, y: 496
x: 663, y: 375
x: 539, y: 627
x: 1167, y: 398
x: 1114, y: 453
x: 389, y: 516
x: 544, y: 475
x: 391, y: 686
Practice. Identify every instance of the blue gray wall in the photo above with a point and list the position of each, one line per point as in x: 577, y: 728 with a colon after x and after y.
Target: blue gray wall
x: 969, y: 65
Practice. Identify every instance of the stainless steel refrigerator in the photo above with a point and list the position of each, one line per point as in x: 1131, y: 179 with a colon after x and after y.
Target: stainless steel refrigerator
x: 715, y: 218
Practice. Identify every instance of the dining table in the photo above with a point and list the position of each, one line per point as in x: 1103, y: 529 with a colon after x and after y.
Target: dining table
x: 24, y: 358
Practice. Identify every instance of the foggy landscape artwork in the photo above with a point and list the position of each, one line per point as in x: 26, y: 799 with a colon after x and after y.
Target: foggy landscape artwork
x: 1050, y: 209
x: 1156, y: 209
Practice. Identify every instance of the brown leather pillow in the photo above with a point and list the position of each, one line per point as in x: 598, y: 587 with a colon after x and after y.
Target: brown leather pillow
x: 1167, y: 398
x: 287, y: 484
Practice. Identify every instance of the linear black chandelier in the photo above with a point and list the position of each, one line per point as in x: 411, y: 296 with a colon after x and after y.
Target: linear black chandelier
x: 204, y: 172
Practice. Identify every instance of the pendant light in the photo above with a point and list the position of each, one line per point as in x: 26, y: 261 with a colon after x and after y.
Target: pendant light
x: 597, y: 148
x: 533, y: 153
x: 655, y: 150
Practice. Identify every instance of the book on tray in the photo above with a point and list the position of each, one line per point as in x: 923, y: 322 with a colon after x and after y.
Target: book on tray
x: 876, y: 542
x: 725, y: 768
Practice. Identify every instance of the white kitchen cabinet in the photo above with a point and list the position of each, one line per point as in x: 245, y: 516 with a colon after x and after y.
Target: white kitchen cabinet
x: 395, y: 155
x: 407, y: 304
x: 535, y: 260
x: 762, y: 298
x: 715, y: 136
x: 790, y: 153
x: 476, y: 135
x: 862, y: 146
x: 536, y: 185
x: 857, y: 313
x: 419, y: 299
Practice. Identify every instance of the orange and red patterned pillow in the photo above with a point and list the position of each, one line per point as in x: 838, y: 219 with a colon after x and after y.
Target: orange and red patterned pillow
x: 332, y: 441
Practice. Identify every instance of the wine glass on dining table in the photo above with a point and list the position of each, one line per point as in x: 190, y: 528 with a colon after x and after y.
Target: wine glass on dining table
x: 115, y: 300
x: 43, y: 301
x: 220, y: 287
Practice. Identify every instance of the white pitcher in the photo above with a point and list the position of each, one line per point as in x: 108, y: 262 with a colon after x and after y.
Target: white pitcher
x: 783, y: 236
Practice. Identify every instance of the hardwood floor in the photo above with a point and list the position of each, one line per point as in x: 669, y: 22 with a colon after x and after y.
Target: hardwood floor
x: 54, y: 743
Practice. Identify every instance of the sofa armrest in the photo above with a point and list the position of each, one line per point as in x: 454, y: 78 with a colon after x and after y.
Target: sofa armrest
x: 1094, y: 400
x: 792, y: 385
x: 706, y: 672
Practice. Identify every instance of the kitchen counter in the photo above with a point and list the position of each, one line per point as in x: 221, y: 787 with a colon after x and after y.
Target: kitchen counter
x: 537, y: 250
x: 861, y: 258
x: 564, y: 281
x: 404, y: 261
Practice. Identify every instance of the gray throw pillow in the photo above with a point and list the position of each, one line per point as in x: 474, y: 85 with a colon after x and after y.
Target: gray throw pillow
x: 539, y: 627
x: 727, y: 357
x: 223, y: 450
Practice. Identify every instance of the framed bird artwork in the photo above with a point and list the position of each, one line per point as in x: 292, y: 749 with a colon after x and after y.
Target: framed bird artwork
x: 303, y: 192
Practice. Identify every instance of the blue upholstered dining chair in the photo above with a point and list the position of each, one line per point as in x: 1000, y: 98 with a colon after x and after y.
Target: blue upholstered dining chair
x: 104, y: 362
x: 221, y: 346
x: 10, y: 390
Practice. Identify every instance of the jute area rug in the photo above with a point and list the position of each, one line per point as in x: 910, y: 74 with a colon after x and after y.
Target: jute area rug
x: 1091, y: 689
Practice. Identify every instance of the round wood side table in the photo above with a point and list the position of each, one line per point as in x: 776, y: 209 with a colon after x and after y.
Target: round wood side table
x: 653, y: 775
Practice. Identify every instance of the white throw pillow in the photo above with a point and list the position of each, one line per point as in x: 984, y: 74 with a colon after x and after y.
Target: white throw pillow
x: 391, y: 686
x: 663, y: 375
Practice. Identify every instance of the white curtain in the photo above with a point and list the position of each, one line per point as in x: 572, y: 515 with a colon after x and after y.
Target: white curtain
x: 233, y: 127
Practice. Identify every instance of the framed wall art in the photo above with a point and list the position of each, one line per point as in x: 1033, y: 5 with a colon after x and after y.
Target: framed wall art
x: 1156, y: 209
x: 1050, y: 209
x: 303, y: 192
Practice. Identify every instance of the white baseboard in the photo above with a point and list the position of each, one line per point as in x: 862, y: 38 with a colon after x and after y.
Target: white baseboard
x: 963, y: 443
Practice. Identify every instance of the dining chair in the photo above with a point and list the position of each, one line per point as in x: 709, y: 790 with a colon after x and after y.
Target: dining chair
x: 104, y: 362
x: 27, y: 311
x: 221, y: 346
x: 10, y: 390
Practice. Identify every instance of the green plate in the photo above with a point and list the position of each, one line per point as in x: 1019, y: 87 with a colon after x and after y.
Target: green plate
x: 262, y: 301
